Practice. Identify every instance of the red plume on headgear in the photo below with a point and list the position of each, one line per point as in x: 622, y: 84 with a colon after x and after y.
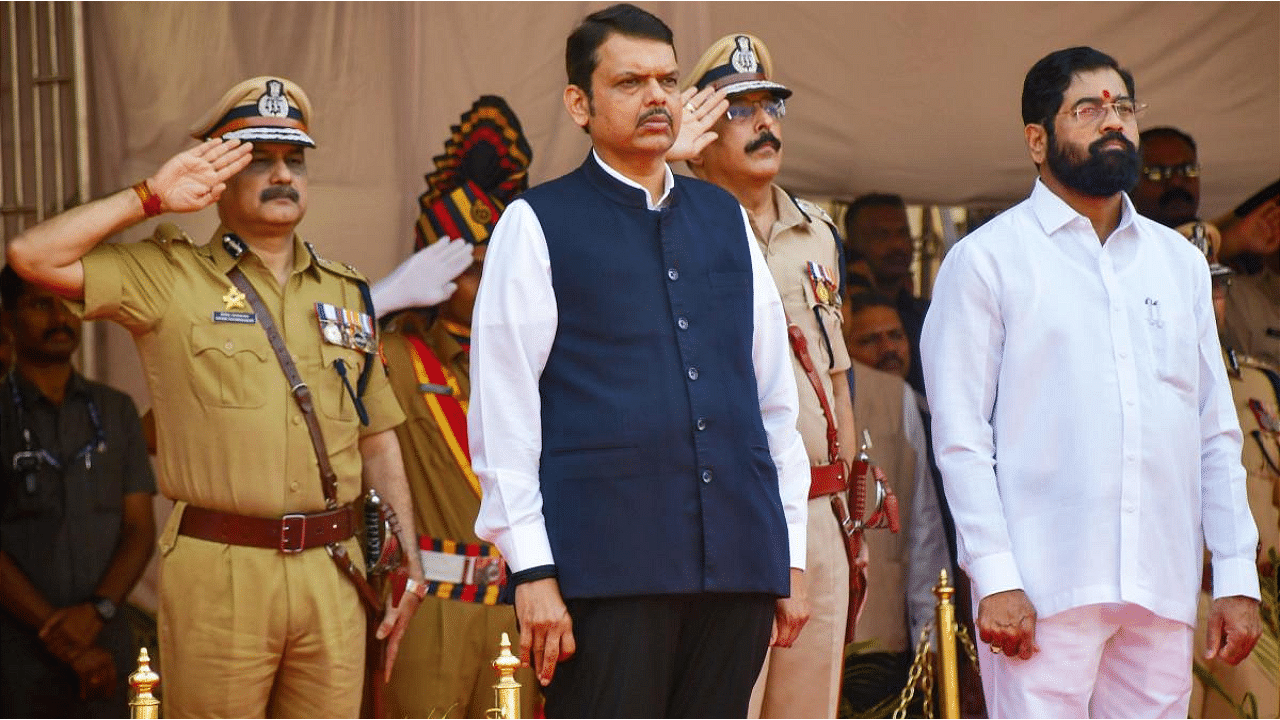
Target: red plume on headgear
x: 485, y: 165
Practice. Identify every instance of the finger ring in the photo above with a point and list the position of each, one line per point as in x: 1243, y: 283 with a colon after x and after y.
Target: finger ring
x: 690, y: 107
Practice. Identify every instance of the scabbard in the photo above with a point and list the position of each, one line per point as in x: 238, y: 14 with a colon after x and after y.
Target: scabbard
x: 852, y: 536
x: 373, y: 701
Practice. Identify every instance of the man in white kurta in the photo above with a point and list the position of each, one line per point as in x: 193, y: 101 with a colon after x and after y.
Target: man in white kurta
x: 1084, y: 426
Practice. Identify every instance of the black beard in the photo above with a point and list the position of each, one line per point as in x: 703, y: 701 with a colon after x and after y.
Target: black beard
x: 1103, y: 174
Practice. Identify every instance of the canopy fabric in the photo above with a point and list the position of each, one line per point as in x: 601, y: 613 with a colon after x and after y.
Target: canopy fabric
x: 916, y: 98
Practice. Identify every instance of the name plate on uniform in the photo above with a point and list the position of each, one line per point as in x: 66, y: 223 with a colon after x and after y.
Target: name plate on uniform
x: 243, y: 318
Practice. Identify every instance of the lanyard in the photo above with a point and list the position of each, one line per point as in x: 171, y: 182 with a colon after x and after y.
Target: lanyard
x: 22, y: 460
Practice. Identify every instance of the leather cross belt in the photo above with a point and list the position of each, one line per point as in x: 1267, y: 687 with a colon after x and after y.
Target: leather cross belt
x: 827, y: 480
x: 289, y: 533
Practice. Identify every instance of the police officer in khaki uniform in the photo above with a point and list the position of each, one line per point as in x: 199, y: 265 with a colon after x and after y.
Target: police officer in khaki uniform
x: 803, y: 253
x: 445, y: 666
x: 255, y: 617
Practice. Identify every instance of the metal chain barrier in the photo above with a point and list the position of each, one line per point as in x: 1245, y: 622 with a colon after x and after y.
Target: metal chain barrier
x: 922, y: 673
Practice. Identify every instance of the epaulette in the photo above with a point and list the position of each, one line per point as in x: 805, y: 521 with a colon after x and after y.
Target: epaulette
x: 338, y: 268
x: 1258, y: 363
x: 813, y: 210
x: 168, y: 232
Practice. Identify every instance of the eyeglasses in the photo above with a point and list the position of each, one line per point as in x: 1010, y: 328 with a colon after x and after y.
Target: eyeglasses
x: 1160, y: 173
x: 775, y: 107
x: 1090, y: 112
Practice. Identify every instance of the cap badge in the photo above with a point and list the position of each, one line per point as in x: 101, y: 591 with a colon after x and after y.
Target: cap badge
x: 743, y: 58
x: 274, y: 103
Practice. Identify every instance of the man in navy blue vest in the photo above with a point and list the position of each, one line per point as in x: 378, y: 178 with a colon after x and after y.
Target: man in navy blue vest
x: 633, y: 411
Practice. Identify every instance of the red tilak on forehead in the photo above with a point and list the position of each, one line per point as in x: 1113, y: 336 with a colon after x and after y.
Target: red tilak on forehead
x: 1106, y: 94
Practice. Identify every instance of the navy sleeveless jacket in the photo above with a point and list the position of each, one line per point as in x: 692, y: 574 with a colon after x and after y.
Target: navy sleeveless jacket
x: 655, y: 472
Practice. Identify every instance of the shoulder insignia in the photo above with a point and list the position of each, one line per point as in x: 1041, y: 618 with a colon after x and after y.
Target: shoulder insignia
x: 166, y: 233
x: 813, y: 210
x: 1257, y: 363
x: 338, y: 268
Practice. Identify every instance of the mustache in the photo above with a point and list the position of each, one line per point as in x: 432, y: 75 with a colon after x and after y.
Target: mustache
x: 890, y: 361
x: 656, y: 111
x: 764, y: 138
x: 1096, y: 146
x: 279, y: 191
x: 1174, y: 194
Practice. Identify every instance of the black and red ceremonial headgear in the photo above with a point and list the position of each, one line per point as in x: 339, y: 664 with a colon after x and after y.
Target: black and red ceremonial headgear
x: 485, y: 165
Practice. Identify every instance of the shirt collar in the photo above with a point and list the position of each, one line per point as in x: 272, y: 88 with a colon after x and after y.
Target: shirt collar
x: 1054, y: 213
x: 217, y: 251
x: 789, y: 213
x: 668, y: 181
x: 77, y: 386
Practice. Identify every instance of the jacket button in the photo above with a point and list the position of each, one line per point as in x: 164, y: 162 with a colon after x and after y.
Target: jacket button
x: 673, y: 274
x: 701, y: 424
x: 693, y: 373
x: 682, y: 322
x: 706, y: 476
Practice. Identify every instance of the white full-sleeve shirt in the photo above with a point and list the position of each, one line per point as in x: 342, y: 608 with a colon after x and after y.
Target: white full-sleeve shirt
x: 514, y: 325
x: 1082, y: 419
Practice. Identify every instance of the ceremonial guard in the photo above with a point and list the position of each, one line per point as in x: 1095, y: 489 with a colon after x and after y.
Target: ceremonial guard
x: 444, y: 667
x: 273, y: 413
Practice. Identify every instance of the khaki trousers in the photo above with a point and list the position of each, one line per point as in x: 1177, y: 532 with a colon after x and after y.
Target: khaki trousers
x: 251, y: 632
x: 804, y: 679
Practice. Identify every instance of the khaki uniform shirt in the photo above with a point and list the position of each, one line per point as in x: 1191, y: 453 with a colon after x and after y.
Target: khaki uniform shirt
x: 230, y: 435
x: 1253, y: 309
x: 1256, y: 674
x: 444, y: 502
x: 797, y: 237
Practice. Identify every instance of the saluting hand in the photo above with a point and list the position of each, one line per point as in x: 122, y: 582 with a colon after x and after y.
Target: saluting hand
x: 194, y: 179
x: 699, y: 111
x: 546, y: 630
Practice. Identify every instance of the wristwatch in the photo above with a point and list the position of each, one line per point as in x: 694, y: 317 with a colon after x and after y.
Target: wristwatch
x: 104, y: 606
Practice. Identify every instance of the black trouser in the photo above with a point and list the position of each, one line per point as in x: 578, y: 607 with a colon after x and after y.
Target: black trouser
x: 662, y: 656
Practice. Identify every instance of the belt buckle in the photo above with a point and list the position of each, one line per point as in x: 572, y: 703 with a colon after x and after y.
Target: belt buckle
x: 286, y: 526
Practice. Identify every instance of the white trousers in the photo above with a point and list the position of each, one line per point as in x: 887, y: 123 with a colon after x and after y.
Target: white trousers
x: 1113, y: 660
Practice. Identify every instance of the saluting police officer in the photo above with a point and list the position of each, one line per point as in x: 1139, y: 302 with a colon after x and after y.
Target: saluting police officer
x: 255, y: 616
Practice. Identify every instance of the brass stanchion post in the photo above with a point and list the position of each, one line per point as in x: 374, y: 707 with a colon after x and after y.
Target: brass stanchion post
x: 506, y: 693
x: 143, y: 705
x: 946, y: 623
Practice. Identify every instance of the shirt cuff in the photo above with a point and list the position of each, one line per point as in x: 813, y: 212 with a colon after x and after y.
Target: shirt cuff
x: 994, y: 573
x: 1235, y: 576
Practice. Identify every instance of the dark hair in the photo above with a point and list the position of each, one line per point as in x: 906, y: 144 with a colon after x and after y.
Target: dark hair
x: 1166, y: 131
x: 866, y: 201
x: 1047, y: 81
x: 11, y: 287
x: 624, y: 19
x: 859, y: 301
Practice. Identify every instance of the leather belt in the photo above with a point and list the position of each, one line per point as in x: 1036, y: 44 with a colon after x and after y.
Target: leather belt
x: 290, y: 533
x: 827, y: 480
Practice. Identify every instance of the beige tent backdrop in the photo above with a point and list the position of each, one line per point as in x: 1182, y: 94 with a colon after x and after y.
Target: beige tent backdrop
x: 916, y: 98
